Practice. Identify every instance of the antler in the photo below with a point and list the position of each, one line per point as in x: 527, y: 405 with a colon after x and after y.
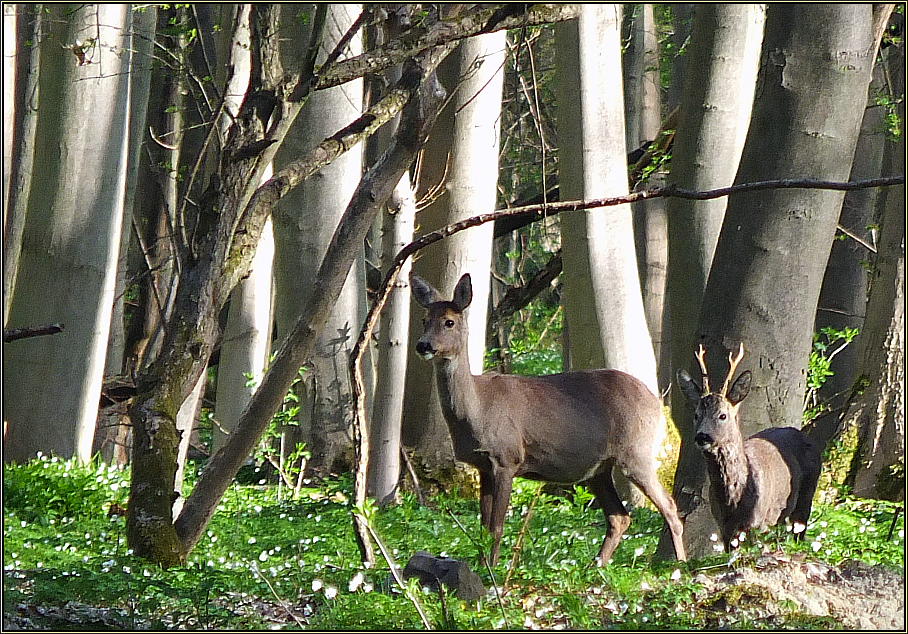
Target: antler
x: 700, y: 354
x: 732, y: 366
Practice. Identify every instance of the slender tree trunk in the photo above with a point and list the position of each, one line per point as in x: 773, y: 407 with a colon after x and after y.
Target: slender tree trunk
x: 642, y: 122
x: 774, y: 244
x: 393, y: 352
x: 72, y: 235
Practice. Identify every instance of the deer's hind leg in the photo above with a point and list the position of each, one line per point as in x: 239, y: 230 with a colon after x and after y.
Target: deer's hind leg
x: 616, y: 516
x: 653, y: 489
x: 810, y: 475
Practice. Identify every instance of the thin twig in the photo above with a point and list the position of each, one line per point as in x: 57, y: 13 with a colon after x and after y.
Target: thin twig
x: 396, y: 573
x: 856, y: 238
x: 485, y: 560
x: 283, y: 603
x: 523, y: 529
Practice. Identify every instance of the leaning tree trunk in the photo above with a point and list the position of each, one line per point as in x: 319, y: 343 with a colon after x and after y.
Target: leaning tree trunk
x: 843, y: 296
x: 773, y: 247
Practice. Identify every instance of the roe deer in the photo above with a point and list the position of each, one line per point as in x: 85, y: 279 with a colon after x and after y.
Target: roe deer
x: 754, y: 483
x: 565, y: 428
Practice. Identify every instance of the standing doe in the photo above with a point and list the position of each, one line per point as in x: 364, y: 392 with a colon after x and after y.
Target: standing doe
x: 565, y: 428
x: 754, y: 483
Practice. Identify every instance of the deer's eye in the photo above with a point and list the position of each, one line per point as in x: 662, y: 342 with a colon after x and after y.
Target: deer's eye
x: 449, y: 323
x: 722, y: 416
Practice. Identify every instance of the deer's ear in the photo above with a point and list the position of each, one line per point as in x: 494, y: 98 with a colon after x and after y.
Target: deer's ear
x: 689, y: 387
x: 463, y: 293
x: 422, y: 291
x: 740, y: 388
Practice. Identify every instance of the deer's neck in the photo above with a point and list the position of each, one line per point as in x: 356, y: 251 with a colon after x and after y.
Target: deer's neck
x: 457, y: 391
x: 728, y: 472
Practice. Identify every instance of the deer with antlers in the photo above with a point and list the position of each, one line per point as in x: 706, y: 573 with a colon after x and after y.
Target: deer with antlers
x: 757, y: 482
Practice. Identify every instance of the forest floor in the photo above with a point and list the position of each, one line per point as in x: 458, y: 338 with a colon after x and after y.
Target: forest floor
x: 855, y: 594
x: 858, y: 595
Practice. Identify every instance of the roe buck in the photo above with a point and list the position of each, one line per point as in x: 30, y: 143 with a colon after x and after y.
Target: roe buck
x: 754, y: 483
x: 565, y: 428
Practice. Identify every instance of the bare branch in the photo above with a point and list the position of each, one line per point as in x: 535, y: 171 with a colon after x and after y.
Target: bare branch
x: 35, y: 331
x: 421, y: 38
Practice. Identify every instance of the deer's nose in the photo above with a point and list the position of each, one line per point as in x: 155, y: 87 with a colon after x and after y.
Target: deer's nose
x: 424, y: 349
x: 703, y: 440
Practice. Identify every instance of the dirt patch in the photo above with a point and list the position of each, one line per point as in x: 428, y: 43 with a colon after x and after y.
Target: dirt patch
x: 855, y: 594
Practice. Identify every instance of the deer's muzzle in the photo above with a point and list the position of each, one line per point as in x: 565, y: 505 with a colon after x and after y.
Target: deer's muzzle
x: 425, y: 350
x: 704, y: 441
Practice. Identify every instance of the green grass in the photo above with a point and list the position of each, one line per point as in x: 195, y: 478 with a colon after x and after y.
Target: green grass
x: 261, y: 556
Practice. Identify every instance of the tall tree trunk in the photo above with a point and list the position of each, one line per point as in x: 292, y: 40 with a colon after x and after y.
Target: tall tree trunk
x: 715, y: 108
x: 603, y: 307
x: 72, y: 234
x: 642, y: 107
x: 20, y: 120
x: 843, y: 296
x: 878, y: 466
x: 392, y: 351
x: 113, y: 434
x: 465, y: 142
x: 304, y: 224
x: 774, y: 244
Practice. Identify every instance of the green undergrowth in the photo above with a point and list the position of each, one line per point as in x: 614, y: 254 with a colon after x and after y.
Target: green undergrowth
x: 267, y: 563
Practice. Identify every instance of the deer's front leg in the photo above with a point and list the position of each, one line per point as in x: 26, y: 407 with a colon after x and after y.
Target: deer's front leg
x: 486, y: 494
x: 502, y: 481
